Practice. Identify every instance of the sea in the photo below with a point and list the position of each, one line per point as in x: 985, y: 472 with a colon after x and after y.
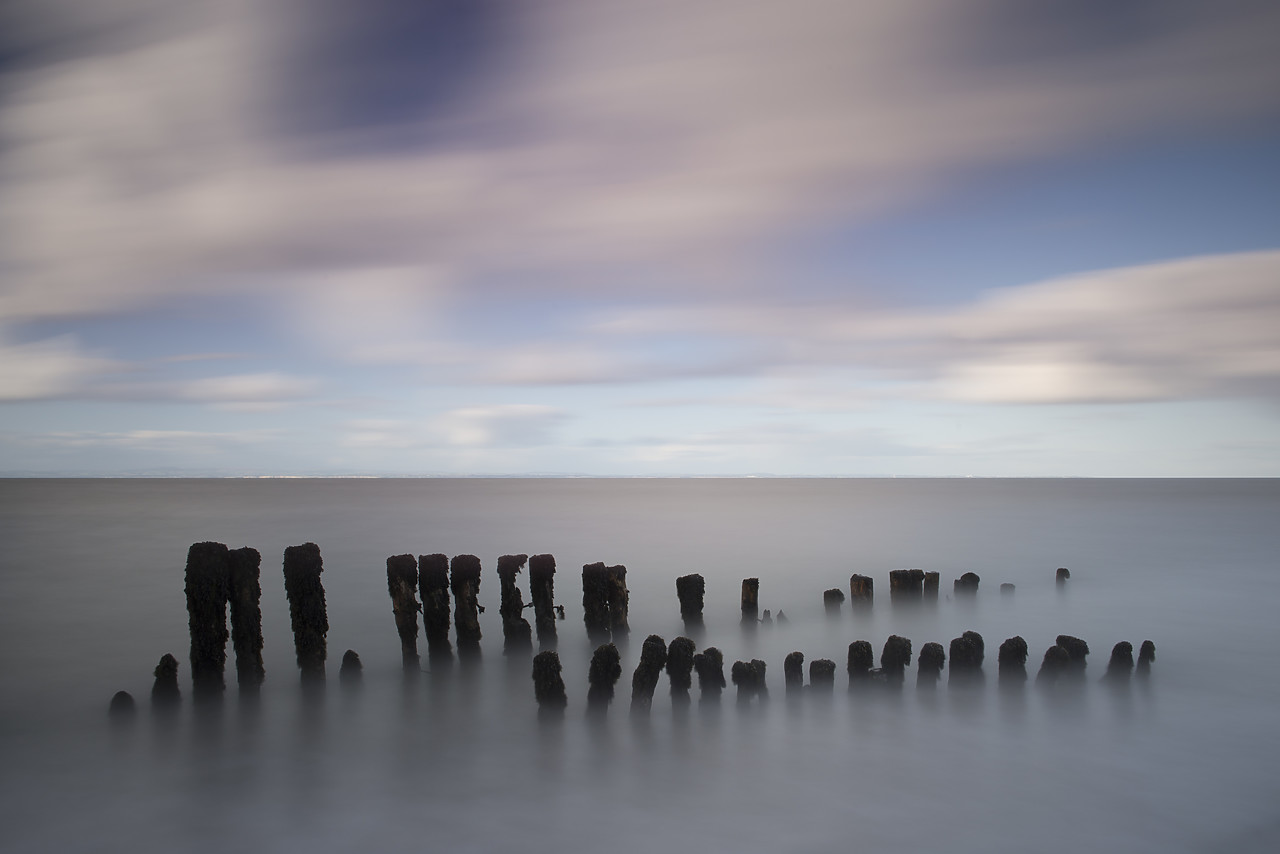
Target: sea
x: 453, y: 757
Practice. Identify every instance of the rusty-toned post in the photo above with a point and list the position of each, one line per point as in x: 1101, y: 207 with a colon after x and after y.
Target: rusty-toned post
x: 861, y: 591
x: 464, y: 583
x: 906, y: 586
x: 931, y: 582
x: 433, y: 582
x: 207, y: 587
x: 402, y: 584
x: 833, y: 600
x: 619, y: 598
x: 542, y: 572
x: 750, y: 600
x: 307, y: 612
x: 245, y: 593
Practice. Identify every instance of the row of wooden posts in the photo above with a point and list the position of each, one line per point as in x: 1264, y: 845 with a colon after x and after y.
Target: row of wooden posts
x: 218, y: 577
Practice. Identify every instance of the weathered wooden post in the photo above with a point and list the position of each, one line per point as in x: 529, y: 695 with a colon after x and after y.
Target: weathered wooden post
x: 206, y: 587
x: 165, y: 693
x: 966, y: 658
x: 931, y: 582
x: 1120, y: 667
x: 906, y: 586
x: 653, y: 657
x: 861, y: 659
x: 861, y: 591
x: 833, y: 600
x: 1007, y: 589
x: 595, y: 601
x: 680, y: 669
x: 433, y: 582
x: 1078, y: 650
x: 749, y: 677
x: 822, y: 675
x: 548, y: 685
x: 691, y: 590
x: 966, y: 585
x: 307, y: 613
x: 929, y: 665
x: 542, y: 572
x: 895, y: 658
x: 709, y: 665
x: 351, y: 670
x: 122, y: 708
x: 619, y: 598
x: 517, y: 634
x: 464, y: 583
x: 1062, y: 576
x: 606, y: 668
x: 245, y: 593
x: 1146, y: 656
x: 793, y: 672
x: 1012, y: 661
x: 1055, y: 664
x: 402, y: 584
x: 750, y: 601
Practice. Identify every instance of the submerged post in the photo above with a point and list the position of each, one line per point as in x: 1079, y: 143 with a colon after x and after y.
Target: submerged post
x: 548, y: 685
x: 245, y: 594
x: 433, y: 582
x: 822, y: 675
x: 653, y: 657
x: 691, y: 590
x: 464, y: 582
x: 906, y: 586
x: 1012, y: 661
x: 931, y: 582
x: 750, y: 600
x: 709, y: 665
x: 1120, y: 667
x: 966, y: 658
x: 1062, y: 576
x: 929, y: 665
x: 749, y: 677
x: 351, y: 670
x: 861, y: 591
x: 619, y: 598
x: 307, y: 613
x: 833, y: 600
x: 542, y: 572
x: 861, y: 659
x: 516, y: 632
x: 207, y: 586
x: 894, y: 659
x: 680, y: 669
x: 402, y: 584
x: 966, y: 585
x: 1146, y: 656
x: 595, y: 601
x: 793, y: 672
x: 606, y: 668
x: 165, y: 693
x: 1078, y: 651
x: 1054, y: 665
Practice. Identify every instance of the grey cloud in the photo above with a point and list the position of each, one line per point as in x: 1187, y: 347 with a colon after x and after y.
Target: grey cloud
x: 628, y: 134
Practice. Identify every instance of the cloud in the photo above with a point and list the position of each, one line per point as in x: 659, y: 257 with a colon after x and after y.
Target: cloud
x: 51, y: 368
x: 142, y: 162
x: 466, y: 428
x: 253, y: 392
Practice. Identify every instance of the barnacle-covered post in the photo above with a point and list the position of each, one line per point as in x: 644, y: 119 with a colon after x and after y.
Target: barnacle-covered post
x: 542, y: 572
x: 206, y: 587
x: 402, y: 584
x: 691, y: 590
x: 793, y: 672
x: 464, y: 582
x: 548, y: 685
x: 516, y: 632
x: 862, y: 658
x: 822, y: 675
x: 894, y: 659
x: 245, y: 594
x: 929, y: 665
x: 433, y: 582
x: 680, y: 669
x: 307, y: 612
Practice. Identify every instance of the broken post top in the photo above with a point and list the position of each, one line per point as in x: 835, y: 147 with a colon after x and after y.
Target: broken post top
x: 509, y: 566
x: 433, y: 571
x: 402, y: 574
x: 464, y: 570
x: 542, y: 567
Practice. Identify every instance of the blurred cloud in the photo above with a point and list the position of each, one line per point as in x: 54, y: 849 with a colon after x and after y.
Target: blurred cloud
x: 51, y: 368
x: 139, y: 162
x: 471, y: 427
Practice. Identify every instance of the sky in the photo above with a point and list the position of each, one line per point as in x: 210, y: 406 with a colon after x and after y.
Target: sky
x: 612, y: 237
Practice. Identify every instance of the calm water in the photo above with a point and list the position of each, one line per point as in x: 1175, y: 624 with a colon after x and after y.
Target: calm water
x: 91, y: 593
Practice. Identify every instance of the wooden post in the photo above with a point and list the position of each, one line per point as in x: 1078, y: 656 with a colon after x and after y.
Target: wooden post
x: 966, y: 585
x: 931, y: 582
x: 1012, y: 660
x: 307, y: 612
x: 861, y: 591
x: 516, y: 632
x: 433, y: 582
x: 1062, y: 575
x: 595, y: 601
x: 1120, y: 667
x: 750, y: 600
x: 245, y: 594
x: 1146, y: 656
x: 1078, y: 650
x: 680, y: 669
x: 833, y: 600
x: 691, y: 590
x: 749, y: 676
x: 206, y: 587
x: 894, y: 659
x: 709, y: 665
x: 402, y: 584
x: 929, y: 665
x: 165, y: 693
x: 793, y: 672
x: 606, y: 668
x: 542, y: 571
x: 822, y: 675
x: 548, y: 685
x: 906, y: 586
x: 653, y: 657
x: 861, y: 659
x: 619, y: 599
x: 464, y: 582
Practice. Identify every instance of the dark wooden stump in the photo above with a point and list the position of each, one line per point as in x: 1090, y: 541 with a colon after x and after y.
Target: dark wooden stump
x: 307, y: 612
x: 906, y: 586
x: 680, y: 664
x: 822, y: 675
x: 433, y: 582
x: 619, y: 599
x: 862, y: 658
x: 542, y: 572
x: 931, y: 582
x: 1146, y: 656
x: 402, y: 584
x: 861, y: 591
x: 691, y: 590
x: 929, y: 665
x: 653, y: 657
x: 895, y: 657
x: 966, y: 585
x: 833, y: 600
x: 517, y: 634
x: 1077, y: 649
x: 207, y: 587
x: 709, y: 665
x: 464, y: 583
x: 548, y: 685
x: 1012, y: 660
x: 605, y: 670
x: 793, y: 672
x: 1120, y: 667
x: 595, y: 601
x: 164, y: 691
x: 750, y: 600
x: 245, y: 594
